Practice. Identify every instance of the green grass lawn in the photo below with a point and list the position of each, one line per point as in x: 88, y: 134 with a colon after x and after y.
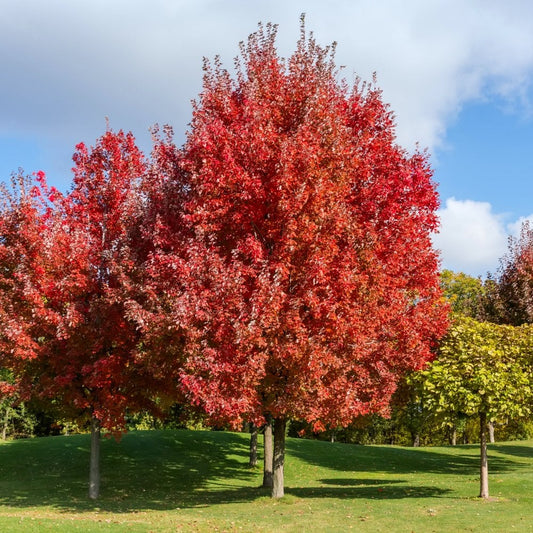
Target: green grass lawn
x: 199, y: 481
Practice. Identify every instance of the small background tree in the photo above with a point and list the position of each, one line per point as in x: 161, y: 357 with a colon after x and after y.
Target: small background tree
x: 516, y: 279
x: 482, y: 369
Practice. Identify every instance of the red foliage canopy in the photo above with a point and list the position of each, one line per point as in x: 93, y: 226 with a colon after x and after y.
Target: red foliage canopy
x: 309, y: 281
x: 516, y: 279
x: 69, y: 281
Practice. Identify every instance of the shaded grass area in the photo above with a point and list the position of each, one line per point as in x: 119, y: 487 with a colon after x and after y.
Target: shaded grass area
x: 199, y: 481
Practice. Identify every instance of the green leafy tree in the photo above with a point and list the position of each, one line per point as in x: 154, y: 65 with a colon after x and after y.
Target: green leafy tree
x: 482, y: 369
x: 463, y: 292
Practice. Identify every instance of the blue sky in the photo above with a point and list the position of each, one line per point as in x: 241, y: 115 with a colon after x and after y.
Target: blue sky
x: 457, y: 74
x: 487, y: 158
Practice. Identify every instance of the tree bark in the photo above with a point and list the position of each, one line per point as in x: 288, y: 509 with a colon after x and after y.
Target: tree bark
x: 278, y: 490
x: 268, y: 480
x: 253, y: 446
x: 491, y: 432
x: 94, y: 470
x: 484, y: 468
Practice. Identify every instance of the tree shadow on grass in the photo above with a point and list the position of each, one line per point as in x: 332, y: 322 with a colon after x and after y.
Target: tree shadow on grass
x: 145, y: 471
x: 164, y: 470
x: 367, y: 489
x: 513, y: 449
x: 361, y: 489
x: 459, y: 460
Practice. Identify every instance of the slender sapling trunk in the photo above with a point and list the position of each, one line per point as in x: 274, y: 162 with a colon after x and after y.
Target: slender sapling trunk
x: 453, y: 440
x: 484, y: 468
x: 5, y: 425
x: 253, y: 445
x: 269, y: 454
x: 278, y: 490
x: 94, y: 470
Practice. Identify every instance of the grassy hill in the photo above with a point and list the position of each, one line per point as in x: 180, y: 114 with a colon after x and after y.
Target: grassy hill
x: 199, y: 481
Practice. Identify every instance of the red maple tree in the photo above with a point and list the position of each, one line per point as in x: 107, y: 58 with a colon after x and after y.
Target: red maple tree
x: 307, y: 280
x: 72, y: 288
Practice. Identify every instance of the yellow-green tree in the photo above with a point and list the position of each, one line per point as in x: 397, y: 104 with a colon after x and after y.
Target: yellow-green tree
x: 482, y: 369
x: 463, y: 292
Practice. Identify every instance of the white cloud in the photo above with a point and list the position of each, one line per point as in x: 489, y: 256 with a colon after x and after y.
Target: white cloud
x: 69, y: 64
x: 432, y: 57
x: 473, y: 238
x: 515, y: 227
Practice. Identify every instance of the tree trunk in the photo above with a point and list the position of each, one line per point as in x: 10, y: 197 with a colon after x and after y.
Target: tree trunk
x: 268, y: 480
x: 279, y: 457
x: 484, y: 468
x: 491, y: 432
x: 94, y: 471
x: 6, y: 423
x: 253, y: 446
x: 453, y: 438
